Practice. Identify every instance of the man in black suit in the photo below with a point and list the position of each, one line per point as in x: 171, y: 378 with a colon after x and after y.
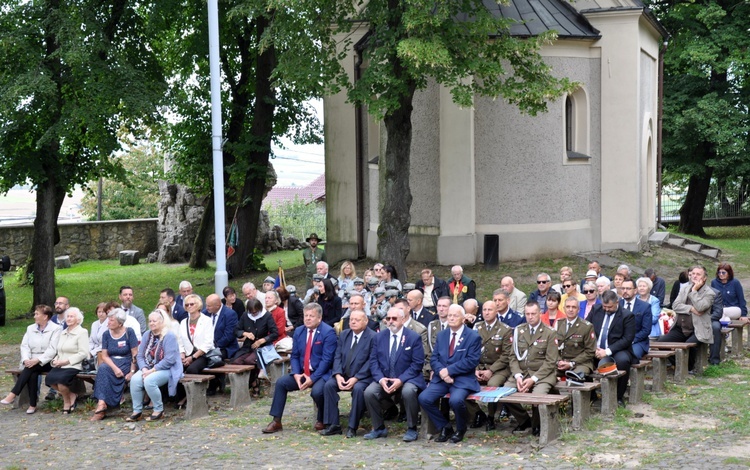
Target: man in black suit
x: 615, y: 329
x: 433, y: 288
x: 418, y: 312
x: 351, y: 373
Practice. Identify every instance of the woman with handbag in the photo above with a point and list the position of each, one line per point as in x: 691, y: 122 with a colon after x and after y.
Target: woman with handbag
x: 258, y: 328
x: 158, y: 364
x: 196, y: 339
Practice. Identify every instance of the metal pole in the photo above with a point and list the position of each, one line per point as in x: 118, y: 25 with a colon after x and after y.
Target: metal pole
x: 99, y: 192
x: 221, y: 278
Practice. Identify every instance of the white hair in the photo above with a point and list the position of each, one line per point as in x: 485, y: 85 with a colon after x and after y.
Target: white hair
x: 186, y: 285
x: 78, y: 313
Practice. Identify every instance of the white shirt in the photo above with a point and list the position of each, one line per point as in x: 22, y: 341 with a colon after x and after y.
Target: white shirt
x: 130, y: 322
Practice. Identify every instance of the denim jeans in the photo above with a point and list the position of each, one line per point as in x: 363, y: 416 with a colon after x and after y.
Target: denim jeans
x: 151, y: 385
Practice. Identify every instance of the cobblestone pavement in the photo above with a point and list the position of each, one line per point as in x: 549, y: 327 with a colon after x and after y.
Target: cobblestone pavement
x: 234, y: 438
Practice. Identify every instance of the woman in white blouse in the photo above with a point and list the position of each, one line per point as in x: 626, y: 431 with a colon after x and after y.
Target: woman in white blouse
x: 196, y: 339
x: 37, y: 350
x: 72, y: 348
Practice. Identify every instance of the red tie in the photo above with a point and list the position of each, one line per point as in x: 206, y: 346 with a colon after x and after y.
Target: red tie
x: 452, y: 345
x: 308, y: 350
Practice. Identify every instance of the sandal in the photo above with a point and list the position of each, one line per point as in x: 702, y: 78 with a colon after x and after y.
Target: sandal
x: 156, y: 416
x: 134, y: 417
x: 99, y: 415
x: 255, y: 389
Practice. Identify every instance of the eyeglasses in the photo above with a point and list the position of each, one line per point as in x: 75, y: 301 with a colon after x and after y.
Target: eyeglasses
x: 567, y: 286
x: 589, y: 291
x: 189, y: 305
x: 542, y: 282
x: 391, y: 318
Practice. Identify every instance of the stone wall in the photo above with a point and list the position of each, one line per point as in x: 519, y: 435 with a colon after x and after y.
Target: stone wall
x: 84, y: 240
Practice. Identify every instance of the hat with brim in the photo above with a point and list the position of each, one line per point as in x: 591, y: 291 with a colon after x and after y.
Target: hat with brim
x: 313, y: 236
x: 318, y: 277
x: 591, y: 273
x: 268, y: 280
x: 607, y: 366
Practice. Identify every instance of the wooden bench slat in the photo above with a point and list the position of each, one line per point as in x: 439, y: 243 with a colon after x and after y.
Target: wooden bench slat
x: 658, y: 345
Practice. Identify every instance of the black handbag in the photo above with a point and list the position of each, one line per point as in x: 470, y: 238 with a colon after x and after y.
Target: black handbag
x: 214, y: 357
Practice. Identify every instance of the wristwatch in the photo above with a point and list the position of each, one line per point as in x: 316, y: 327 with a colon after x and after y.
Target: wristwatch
x: 572, y: 364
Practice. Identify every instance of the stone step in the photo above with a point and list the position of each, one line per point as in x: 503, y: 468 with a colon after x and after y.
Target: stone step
x: 659, y: 238
x: 676, y: 241
x: 712, y: 252
x: 693, y: 247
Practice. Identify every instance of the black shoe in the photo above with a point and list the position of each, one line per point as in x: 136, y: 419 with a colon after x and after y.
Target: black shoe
x: 621, y: 403
x: 350, y: 433
x: 490, y: 424
x: 401, y: 418
x: 50, y: 395
x: 504, y: 414
x: 445, y: 434
x: 535, y: 431
x: 331, y: 430
x: 523, y: 426
x: 211, y: 392
x: 479, y: 419
x: 458, y: 437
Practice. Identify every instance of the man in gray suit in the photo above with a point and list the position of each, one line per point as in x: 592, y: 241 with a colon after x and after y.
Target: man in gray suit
x: 126, y: 302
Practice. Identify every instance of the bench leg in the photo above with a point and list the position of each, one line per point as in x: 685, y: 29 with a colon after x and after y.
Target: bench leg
x: 659, y: 369
x: 22, y: 399
x: 637, y: 385
x: 681, y: 366
x: 737, y: 341
x: 549, y: 424
x: 275, y: 371
x: 609, y: 396
x: 197, y: 403
x: 701, y: 358
x: 723, y: 349
x: 240, y: 393
x: 581, y: 407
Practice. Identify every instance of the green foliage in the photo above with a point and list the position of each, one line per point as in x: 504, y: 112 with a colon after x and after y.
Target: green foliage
x: 138, y: 195
x: 298, y: 218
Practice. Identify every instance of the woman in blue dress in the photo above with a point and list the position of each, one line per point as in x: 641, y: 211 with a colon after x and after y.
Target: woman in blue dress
x: 119, y: 348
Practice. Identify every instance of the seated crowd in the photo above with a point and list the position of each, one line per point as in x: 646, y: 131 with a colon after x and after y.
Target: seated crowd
x: 397, y: 348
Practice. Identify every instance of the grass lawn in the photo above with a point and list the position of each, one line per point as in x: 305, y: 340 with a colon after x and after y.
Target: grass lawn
x: 733, y: 239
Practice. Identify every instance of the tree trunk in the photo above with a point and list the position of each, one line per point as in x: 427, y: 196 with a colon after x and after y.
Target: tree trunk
x: 261, y: 133
x: 691, y: 212
x: 395, y: 195
x: 49, y: 199
x: 199, y: 255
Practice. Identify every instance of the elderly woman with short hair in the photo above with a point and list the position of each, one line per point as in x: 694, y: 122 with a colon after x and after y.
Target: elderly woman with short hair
x: 119, y: 347
x: 37, y: 350
x: 196, y: 339
x: 72, y: 349
x: 643, y: 287
x: 159, y: 364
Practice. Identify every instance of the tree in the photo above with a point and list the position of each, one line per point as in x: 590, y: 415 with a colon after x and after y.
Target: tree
x: 706, y: 97
x: 462, y: 45
x: 271, y: 65
x: 135, y: 197
x: 70, y: 74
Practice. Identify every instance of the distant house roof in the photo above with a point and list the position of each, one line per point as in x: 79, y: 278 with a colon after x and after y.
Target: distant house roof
x: 313, y: 192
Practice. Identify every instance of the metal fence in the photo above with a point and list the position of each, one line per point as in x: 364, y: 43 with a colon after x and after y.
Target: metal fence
x: 716, y: 208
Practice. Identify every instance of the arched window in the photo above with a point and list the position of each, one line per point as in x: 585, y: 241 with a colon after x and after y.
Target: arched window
x: 576, y: 127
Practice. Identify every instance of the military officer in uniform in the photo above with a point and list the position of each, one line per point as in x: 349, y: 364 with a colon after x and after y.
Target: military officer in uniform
x: 493, y: 369
x: 577, y: 341
x: 439, y: 323
x: 533, y: 363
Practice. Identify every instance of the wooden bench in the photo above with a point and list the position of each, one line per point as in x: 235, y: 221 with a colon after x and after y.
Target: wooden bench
x: 681, y: 357
x: 581, y: 398
x: 637, y: 381
x: 78, y: 387
x: 196, y: 404
x: 609, y: 391
x: 239, y: 380
x: 659, y: 368
x: 549, y: 423
x: 277, y: 369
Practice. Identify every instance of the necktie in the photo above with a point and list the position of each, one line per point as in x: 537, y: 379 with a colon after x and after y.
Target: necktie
x: 569, y: 326
x: 442, y: 326
x: 452, y: 345
x: 352, y: 350
x: 392, y: 357
x: 532, y: 331
x: 308, y: 351
x: 605, y: 328
x: 213, y: 318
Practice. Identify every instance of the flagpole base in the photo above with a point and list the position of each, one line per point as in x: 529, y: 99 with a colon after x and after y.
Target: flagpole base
x: 221, y: 280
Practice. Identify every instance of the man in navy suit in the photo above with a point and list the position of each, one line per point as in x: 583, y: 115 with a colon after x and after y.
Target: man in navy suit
x: 351, y: 373
x: 643, y: 318
x: 454, y: 362
x: 504, y: 313
x: 167, y: 297
x: 396, y: 361
x: 615, y: 331
x: 225, y: 322
x: 417, y: 310
x: 313, y: 349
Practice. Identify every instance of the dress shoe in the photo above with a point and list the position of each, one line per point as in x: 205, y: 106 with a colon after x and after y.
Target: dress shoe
x: 523, y: 426
x: 319, y: 426
x: 490, y: 424
x: 401, y: 419
x: 445, y: 434
x: 350, y: 433
x: 331, y: 430
x: 273, y: 426
x: 50, y: 395
x: 411, y: 435
x: 376, y: 433
x: 479, y: 419
x: 621, y: 403
x: 457, y: 437
x: 535, y: 431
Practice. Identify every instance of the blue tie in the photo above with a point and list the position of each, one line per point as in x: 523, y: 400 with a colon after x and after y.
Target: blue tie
x: 605, y: 330
x: 392, y: 357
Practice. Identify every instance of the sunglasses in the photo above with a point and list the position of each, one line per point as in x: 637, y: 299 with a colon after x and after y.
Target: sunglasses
x: 589, y: 291
x: 723, y: 272
x: 542, y: 282
x: 189, y: 305
x: 567, y: 286
x: 391, y: 318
